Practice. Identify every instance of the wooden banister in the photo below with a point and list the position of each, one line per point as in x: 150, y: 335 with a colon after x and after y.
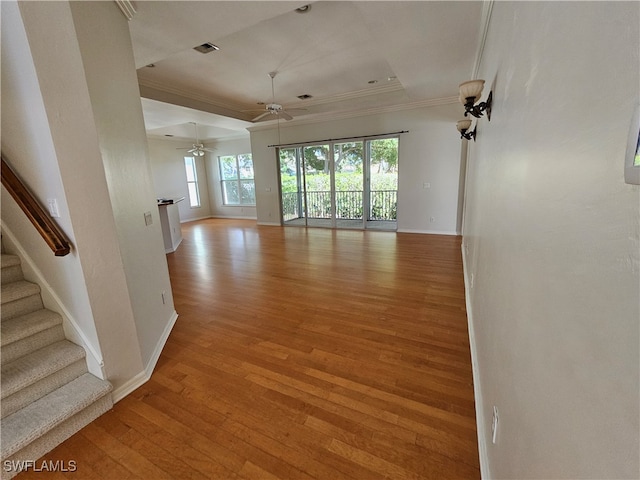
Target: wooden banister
x: 45, y: 226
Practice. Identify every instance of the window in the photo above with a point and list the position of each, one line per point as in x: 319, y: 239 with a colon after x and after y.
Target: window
x: 192, y: 181
x: 236, y: 179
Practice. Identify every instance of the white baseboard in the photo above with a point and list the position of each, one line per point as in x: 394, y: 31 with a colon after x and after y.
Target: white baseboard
x: 144, y: 376
x: 270, y: 224
x: 233, y: 217
x: 187, y: 220
x: 427, y: 232
x: 129, y: 386
x: 477, y: 390
x: 174, y: 247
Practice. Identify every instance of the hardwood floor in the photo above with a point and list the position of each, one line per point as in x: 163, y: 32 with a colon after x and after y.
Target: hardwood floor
x: 299, y: 354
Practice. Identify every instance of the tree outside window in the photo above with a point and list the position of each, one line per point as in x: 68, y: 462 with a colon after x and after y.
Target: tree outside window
x: 236, y: 179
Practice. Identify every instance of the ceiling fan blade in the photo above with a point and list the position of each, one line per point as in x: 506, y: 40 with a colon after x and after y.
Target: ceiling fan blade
x: 259, y: 117
x: 285, y: 115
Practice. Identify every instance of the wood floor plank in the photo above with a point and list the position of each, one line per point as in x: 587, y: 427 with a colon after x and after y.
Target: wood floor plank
x: 298, y: 353
x: 135, y: 461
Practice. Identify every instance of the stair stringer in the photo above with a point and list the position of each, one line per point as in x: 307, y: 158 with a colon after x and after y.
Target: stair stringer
x: 51, y: 301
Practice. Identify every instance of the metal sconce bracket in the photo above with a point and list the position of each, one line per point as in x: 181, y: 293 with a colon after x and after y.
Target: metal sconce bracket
x: 468, y: 135
x: 480, y: 109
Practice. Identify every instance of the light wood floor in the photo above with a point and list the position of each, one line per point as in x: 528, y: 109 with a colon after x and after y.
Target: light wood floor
x: 299, y: 354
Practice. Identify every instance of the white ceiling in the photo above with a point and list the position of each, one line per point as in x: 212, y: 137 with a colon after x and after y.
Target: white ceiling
x: 414, y: 51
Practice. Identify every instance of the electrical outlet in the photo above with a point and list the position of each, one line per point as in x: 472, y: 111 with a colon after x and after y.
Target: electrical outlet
x: 432, y: 219
x: 494, y: 425
x: 471, y: 281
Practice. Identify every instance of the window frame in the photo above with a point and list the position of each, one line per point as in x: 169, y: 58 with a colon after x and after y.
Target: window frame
x: 193, y: 182
x: 238, y: 179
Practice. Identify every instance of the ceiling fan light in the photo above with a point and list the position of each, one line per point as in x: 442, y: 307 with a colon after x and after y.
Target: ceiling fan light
x: 198, y: 153
x: 471, y: 88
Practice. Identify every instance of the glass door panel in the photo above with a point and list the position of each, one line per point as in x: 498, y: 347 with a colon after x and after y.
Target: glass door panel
x: 348, y: 161
x: 317, y: 185
x: 344, y: 185
x: 383, y: 183
x: 292, y: 195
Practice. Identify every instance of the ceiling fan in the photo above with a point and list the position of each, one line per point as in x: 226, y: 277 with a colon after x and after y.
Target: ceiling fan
x: 197, y: 149
x: 274, y: 108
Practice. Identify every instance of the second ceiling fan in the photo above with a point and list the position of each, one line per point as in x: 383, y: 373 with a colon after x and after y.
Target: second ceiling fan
x: 197, y: 149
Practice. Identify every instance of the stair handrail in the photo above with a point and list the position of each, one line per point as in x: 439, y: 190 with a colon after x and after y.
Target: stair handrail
x: 46, y: 227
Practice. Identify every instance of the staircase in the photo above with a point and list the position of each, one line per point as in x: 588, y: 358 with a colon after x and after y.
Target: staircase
x: 46, y: 392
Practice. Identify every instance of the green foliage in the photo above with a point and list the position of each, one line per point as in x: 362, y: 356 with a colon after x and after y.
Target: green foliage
x: 384, y: 155
x: 344, y: 182
x: 349, y: 159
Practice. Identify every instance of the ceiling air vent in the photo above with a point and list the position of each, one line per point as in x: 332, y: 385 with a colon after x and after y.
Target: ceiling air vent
x: 304, y: 97
x: 206, y: 48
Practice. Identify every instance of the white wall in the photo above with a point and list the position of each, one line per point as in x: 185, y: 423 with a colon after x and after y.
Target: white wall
x: 226, y: 147
x: 24, y: 118
x: 50, y: 137
x: 429, y: 153
x: 170, y: 178
x: 107, y: 58
x: 552, y: 241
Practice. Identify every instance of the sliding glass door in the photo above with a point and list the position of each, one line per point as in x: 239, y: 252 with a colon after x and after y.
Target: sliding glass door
x: 292, y: 199
x: 318, y: 176
x: 348, y: 163
x: 382, y: 201
x: 340, y: 184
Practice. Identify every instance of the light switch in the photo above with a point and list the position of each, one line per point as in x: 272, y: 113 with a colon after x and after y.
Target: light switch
x: 53, y: 207
x: 426, y: 185
x: 148, y: 219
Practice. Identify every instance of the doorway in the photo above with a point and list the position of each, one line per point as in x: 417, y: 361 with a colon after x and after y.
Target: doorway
x: 352, y: 184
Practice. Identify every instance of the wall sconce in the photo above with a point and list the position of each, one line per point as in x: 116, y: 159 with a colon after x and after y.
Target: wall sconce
x: 463, y: 127
x: 469, y: 92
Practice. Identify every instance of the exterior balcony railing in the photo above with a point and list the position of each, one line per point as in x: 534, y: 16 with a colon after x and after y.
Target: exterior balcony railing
x: 383, y: 205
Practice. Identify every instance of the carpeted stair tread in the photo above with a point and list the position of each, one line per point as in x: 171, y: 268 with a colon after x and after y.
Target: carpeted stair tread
x: 17, y: 290
x: 23, y: 326
x: 11, y: 269
x: 36, y: 419
x: 46, y: 393
x: 35, y: 366
x: 7, y: 260
x: 42, y: 387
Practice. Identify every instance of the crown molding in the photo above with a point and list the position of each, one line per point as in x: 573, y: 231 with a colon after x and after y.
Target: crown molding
x: 487, y: 8
x: 332, y: 116
x: 311, y: 118
x: 391, y: 87
x: 127, y: 8
x: 162, y: 88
